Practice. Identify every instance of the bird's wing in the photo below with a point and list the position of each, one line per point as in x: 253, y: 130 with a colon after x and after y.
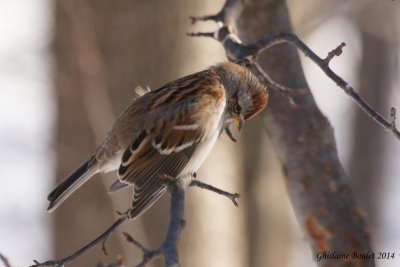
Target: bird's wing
x: 177, y: 121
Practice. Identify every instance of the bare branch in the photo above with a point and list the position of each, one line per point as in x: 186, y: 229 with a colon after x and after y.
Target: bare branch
x: 176, y: 222
x: 231, y: 196
x: 5, y: 260
x: 277, y: 86
x: 235, y: 50
x: 335, y: 52
x: 148, y: 255
x: 322, y: 63
x: 200, y: 34
x: 170, y: 246
x: 228, y: 13
x: 72, y: 257
x: 287, y: 92
x: 321, y: 198
x: 393, y: 115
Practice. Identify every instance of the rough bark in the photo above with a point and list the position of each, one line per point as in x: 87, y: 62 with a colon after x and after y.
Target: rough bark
x: 303, y: 140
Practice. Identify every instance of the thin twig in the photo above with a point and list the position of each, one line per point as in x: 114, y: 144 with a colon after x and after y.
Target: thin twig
x: 393, y: 115
x: 230, y: 10
x: 277, y: 86
x: 349, y: 90
x: 200, y: 34
x: 72, y: 257
x: 176, y: 223
x: 287, y: 92
x: 147, y: 255
x: 236, y: 50
x: 194, y: 19
x: 231, y: 196
x: 335, y: 52
x: 5, y: 260
x: 170, y: 246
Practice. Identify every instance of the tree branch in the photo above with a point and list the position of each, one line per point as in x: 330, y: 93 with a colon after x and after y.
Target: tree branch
x: 147, y: 255
x: 4, y: 260
x: 230, y: 10
x: 301, y: 135
x: 169, y: 247
x: 393, y: 115
x: 101, y: 238
x: 267, y: 42
x: 231, y: 196
x: 176, y: 222
x: 235, y: 50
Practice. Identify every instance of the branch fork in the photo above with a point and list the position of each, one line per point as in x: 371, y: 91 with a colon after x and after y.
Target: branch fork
x: 175, y: 226
x: 236, y: 51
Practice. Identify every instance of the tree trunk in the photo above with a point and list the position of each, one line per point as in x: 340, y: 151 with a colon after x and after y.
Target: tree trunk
x: 305, y: 145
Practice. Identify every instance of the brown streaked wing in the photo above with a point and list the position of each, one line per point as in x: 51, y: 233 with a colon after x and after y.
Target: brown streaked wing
x: 141, y: 202
x: 174, y: 126
x: 148, y: 156
x: 148, y: 186
x: 153, y: 154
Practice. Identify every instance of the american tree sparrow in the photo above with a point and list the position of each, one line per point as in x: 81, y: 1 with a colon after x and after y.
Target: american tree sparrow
x: 169, y: 132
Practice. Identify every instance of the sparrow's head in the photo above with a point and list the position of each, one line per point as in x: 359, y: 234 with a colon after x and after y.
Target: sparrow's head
x: 246, y: 96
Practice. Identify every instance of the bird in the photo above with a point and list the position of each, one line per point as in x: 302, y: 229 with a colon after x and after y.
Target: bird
x: 169, y: 132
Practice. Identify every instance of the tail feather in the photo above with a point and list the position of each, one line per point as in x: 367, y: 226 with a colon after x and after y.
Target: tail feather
x: 71, y: 183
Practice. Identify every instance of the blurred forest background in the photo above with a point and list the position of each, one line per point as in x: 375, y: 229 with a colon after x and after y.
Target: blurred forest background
x: 67, y: 68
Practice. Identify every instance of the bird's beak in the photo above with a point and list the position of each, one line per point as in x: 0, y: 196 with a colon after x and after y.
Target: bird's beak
x: 240, y: 121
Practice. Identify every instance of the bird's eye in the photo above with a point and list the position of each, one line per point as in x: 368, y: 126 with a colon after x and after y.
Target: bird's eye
x: 237, y: 109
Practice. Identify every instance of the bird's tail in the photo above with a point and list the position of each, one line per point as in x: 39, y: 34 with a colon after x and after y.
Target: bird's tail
x: 71, y: 183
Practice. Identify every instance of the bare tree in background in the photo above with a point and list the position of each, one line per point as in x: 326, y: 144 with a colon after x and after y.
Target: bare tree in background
x: 378, y: 29
x: 80, y: 218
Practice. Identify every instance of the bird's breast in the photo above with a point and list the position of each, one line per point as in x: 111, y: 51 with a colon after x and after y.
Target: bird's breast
x: 201, y: 153
x: 205, y: 146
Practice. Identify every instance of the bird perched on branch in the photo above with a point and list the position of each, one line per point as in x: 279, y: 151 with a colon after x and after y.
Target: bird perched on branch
x: 169, y: 132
